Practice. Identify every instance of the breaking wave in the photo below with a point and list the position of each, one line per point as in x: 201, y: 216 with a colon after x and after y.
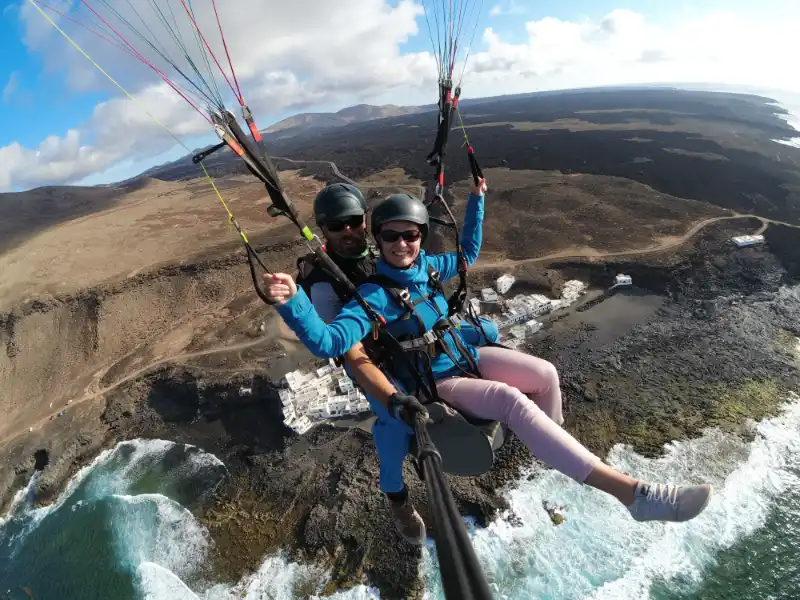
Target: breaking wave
x: 601, y: 553
x: 122, y: 529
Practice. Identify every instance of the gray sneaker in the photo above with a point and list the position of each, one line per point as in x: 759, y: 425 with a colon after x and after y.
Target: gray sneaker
x: 409, y: 524
x: 660, y: 502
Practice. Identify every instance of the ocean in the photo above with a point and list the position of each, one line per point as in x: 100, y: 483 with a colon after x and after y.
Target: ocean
x: 123, y: 529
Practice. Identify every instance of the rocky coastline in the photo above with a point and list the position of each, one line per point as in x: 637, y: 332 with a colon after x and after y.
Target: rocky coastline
x: 714, y: 346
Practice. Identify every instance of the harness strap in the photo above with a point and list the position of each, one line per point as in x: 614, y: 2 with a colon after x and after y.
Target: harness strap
x: 430, y: 336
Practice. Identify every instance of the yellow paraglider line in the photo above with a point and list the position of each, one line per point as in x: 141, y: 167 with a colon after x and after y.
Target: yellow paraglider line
x: 231, y: 217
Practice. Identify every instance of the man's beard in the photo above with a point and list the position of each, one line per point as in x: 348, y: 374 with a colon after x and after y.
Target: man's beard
x: 351, y: 245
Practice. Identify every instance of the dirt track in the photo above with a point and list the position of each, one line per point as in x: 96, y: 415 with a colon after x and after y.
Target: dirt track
x: 138, y: 373
x: 667, y: 243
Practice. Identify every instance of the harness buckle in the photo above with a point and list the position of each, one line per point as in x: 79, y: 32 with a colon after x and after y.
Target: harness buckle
x: 405, y: 295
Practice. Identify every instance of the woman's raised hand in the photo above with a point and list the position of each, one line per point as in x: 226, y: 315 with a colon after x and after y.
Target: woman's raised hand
x: 280, y: 288
x: 480, y: 188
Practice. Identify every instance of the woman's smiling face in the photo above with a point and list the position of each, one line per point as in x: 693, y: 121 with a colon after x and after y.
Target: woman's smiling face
x: 400, y: 243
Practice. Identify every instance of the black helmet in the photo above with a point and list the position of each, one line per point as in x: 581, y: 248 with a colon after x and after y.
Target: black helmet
x: 337, y: 201
x: 400, y: 207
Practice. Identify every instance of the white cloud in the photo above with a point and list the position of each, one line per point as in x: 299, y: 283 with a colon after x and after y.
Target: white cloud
x: 11, y: 87
x: 625, y: 48
x: 511, y: 7
x: 350, y: 52
x: 285, y: 60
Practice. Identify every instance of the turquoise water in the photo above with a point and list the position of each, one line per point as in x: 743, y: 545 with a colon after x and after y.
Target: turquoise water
x: 123, y: 529
x: 125, y: 510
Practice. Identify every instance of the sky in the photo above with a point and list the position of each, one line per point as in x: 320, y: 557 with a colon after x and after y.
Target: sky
x: 64, y: 122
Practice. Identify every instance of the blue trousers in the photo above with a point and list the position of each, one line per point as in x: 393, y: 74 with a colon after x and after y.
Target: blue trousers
x: 393, y: 436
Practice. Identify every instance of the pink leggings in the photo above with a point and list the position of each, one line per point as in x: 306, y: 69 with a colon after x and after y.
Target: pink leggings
x: 501, y: 396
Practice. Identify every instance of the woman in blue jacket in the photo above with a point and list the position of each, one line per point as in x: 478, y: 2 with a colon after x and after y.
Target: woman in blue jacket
x: 400, y: 225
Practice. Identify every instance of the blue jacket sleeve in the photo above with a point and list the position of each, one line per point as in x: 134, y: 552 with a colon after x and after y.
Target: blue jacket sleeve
x: 471, y: 239
x: 328, y: 341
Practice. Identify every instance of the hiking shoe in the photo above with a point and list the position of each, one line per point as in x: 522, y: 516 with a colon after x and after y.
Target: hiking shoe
x: 409, y: 524
x: 660, y: 502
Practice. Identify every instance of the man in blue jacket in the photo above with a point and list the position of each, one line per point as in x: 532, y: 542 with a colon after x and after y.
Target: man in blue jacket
x: 340, y: 211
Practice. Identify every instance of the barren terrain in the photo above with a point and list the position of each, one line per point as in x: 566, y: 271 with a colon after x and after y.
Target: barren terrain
x: 134, y: 315
x: 103, y: 298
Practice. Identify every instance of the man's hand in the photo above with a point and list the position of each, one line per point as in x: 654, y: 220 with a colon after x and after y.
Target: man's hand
x: 280, y: 288
x: 406, y: 409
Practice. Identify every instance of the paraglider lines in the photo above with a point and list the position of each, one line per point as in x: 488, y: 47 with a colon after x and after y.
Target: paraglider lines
x: 225, y: 45
x: 159, y: 50
x: 139, y: 55
x: 87, y: 28
x: 231, y: 218
x: 210, y: 51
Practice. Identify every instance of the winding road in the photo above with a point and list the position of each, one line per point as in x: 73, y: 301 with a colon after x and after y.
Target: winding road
x: 666, y: 244
x: 339, y: 174
x: 137, y: 373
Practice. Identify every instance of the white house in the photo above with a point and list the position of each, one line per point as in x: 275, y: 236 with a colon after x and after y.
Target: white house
x: 317, y: 409
x: 623, y: 280
x: 336, y: 406
x: 302, y: 425
x: 488, y: 295
x: 476, y: 305
x: 572, y: 289
x: 504, y: 283
x: 322, y: 371
x: 533, y: 326
x: 748, y: 240
x: 345, y: 384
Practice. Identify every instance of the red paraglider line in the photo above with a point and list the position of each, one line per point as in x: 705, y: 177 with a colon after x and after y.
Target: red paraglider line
x: 147, y: 62
x: 100, y: 35
x: 210, y: 51
x: 225, y: 45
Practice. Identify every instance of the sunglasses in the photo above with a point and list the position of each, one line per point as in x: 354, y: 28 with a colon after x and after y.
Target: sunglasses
x: 389, y: 236
x: 355, y: 222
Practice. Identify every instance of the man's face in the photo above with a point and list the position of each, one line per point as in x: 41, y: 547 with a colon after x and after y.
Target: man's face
x: 347, y: 236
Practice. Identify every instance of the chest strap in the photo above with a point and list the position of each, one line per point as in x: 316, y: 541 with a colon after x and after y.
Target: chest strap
x: 430, y: 336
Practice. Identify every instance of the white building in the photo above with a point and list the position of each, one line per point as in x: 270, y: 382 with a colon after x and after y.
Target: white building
x: 329, y: 368
x: 337, y: 406
x: 317, y: 409
x: 488, y: 295
x: 623, y: 280
x: 504, y: 283
x: 324, y: 393
x: 572, y: 289
x: 345, y: 384
x: 303, y: 425
x: 748, y: 240
x: 533, y: 326
x: 476, y: 305
x: 296, y: 379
